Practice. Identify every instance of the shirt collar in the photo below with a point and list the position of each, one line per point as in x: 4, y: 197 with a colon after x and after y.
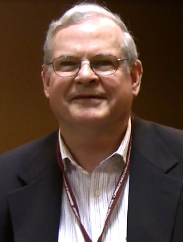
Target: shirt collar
x: 121, y: 151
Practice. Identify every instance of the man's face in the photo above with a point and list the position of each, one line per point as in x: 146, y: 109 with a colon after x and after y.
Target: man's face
x: 87, y: 98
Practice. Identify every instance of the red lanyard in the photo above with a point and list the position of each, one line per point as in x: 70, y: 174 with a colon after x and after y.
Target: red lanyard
x: 114, y: 199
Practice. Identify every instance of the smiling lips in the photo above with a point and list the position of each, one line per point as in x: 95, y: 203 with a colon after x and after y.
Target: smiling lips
x: 88, y: 98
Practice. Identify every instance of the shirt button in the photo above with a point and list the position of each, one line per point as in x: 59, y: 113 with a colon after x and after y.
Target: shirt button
x: 97, y: 193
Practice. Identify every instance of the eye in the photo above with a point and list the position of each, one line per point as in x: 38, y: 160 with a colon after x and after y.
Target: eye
x: 102, y: 65
x: 65, y: 64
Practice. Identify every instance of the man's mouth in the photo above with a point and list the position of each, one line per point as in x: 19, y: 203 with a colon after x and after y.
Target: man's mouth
x: 88, y: 98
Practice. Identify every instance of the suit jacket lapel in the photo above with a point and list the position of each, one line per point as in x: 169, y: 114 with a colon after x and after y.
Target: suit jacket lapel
x: 154, y: 194
x: 35, y: 208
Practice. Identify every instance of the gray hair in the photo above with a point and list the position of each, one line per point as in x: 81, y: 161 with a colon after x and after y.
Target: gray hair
x: 81, y: 12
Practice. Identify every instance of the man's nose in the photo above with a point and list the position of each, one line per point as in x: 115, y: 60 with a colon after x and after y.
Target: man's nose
x: 86, y: 75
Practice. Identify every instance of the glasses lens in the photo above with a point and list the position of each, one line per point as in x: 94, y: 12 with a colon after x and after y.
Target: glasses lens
x: 104, y: 64
x: 66, y: 65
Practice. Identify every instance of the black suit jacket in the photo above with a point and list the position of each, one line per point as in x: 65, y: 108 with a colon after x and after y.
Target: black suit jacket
x: 31, y: 188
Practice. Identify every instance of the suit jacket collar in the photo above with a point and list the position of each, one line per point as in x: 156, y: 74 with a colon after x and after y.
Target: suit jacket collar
x: 154, y: 194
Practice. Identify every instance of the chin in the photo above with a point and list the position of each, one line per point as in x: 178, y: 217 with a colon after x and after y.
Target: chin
x: 88, y: 117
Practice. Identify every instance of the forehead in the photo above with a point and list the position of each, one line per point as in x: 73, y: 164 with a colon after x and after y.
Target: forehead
x: 91, y: 36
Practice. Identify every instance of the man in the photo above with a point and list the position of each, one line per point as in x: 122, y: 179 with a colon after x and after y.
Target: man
x: 105, y: 175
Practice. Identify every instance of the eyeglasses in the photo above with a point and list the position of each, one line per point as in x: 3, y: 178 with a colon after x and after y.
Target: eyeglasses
x: 67, y: 66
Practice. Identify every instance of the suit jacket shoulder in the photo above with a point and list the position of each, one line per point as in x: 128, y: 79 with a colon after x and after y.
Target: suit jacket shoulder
x: 152, y: 139
x: 20, y: 167
x: 12, y: 160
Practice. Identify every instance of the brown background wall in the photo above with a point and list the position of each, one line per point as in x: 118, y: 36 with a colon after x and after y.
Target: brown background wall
x: 24, y: 111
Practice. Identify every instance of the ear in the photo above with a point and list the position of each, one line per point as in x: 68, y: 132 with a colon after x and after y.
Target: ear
x: 136, y: 75
x: 46, y: 80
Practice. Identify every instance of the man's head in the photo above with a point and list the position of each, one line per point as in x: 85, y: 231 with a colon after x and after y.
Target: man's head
x: 91, y: 72
x: 81, y: 12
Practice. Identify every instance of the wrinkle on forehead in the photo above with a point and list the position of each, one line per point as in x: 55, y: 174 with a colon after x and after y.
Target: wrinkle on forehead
x: 91, y: 25
x: 94, y: 32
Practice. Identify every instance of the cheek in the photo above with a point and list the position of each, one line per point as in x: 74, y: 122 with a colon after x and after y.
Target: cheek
x: 57, y: 98
x: 116, y: 85
x: 110, y: 83
x: 119, y: 91
x: 58, y: 88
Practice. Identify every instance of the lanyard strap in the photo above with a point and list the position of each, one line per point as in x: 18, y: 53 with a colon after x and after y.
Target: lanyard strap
x: 114, y: 199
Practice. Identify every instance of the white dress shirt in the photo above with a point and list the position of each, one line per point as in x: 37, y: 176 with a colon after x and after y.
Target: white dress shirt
x: 93, y: 192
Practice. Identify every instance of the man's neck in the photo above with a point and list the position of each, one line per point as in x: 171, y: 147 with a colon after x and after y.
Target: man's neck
x: 90, y: 146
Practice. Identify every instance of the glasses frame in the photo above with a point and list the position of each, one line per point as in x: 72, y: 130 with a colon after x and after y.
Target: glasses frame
x: 117, y: 59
